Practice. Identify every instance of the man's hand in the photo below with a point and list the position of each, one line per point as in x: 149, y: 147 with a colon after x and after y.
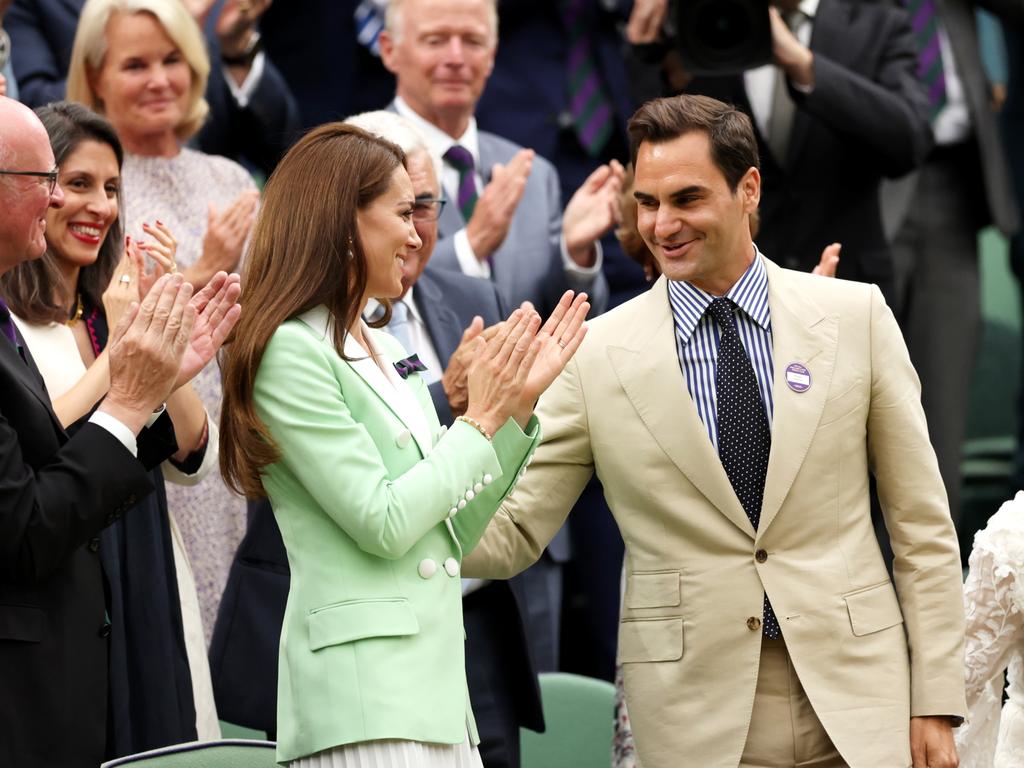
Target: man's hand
x: 592, y: 211
x: 644, y: 25
x: 488, y: 226
x: 829, y: 262
x: 931, y: 743
x: 146, y: 349
x: 454, y: 379
x: 216, y: 312
x: 792, y: 56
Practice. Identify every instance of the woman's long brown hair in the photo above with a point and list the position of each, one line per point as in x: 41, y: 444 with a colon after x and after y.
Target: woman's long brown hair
x: 305, y: 252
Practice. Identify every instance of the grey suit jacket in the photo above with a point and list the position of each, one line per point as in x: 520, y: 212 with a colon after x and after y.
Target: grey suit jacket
x: 958, y: 20
x: 528, y: 265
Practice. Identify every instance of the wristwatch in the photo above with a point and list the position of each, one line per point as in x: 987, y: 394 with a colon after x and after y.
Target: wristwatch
x: 253, y: 46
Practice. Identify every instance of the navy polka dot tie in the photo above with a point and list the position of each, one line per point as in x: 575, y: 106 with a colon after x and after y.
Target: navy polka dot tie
x: 744, y: 439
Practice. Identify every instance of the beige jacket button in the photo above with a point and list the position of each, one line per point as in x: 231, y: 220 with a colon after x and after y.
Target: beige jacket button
x: 451, y: 567
x: 403, y: 438
x: 761, y: 555
x: 753, y: 623
x: 427, y: 568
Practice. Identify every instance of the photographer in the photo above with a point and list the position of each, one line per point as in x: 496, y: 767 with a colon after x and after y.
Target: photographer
x: 838, y: 107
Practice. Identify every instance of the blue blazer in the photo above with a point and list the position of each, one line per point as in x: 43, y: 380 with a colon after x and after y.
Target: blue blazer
x: 43, y: 33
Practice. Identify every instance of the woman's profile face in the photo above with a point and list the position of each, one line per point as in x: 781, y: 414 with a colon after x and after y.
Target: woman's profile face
x: 387, y: 234
x: 90, y: 179
x: 144, y: 81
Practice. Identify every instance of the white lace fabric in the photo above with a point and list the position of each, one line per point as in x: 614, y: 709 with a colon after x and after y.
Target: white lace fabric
x: 993, y: 734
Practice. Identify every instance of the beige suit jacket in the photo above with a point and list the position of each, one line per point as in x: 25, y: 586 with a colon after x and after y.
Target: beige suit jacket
x: 869, y: 656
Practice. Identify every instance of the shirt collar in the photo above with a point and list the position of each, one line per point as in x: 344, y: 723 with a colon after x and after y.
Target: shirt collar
x: 439, y: 141
x: 373, y: 307
x: 809, y: 8
x: 750, y: 293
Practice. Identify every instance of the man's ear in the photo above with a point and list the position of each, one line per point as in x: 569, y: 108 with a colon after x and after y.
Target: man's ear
x: 387, y: 50
x: 750, y: 189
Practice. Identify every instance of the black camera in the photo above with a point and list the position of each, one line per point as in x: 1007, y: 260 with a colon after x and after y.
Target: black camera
x: 722, y: 37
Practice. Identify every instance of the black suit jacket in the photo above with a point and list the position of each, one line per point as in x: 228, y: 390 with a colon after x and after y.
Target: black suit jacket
x: 56, y: 494
x: 244, y: 650
x: 866, y: 118
x: 43, y: 33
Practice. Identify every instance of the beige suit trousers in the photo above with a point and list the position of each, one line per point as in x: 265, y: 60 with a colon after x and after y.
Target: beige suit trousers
x: 784, y: 731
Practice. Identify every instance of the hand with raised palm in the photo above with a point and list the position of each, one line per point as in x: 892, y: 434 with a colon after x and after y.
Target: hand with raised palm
x: 559, y: 338
x: 217, y: 311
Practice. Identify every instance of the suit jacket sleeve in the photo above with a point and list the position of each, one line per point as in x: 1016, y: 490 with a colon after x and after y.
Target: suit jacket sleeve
x: 47, y: 513
x: 41, y: 79
x: 926, y: 564
x: 332, y: 455
x: 536, y: 509
x: 889, y: 113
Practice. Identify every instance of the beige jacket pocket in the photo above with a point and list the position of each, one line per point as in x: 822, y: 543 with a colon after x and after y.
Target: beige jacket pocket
x: 658, y: 589
x: 873, y: 609
x: 651, y: 640
x: 360, y: 619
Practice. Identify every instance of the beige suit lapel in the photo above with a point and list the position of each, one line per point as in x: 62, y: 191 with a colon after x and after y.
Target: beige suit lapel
x: 801, y: 333
x: 647, y: 366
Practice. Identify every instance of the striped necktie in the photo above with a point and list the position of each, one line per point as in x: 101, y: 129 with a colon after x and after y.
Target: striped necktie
x: 744, y: 437
x: 589, y: 106
x: 924, y: 22
x: 461, y: 160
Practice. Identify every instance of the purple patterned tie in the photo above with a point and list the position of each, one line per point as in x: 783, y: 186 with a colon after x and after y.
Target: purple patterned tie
x: 7, y: 325
x: 589, y: 105
x: 461, y: 160
x: 924, y: 22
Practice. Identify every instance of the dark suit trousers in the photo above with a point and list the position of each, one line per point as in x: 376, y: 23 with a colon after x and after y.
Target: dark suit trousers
x: 938, y: 296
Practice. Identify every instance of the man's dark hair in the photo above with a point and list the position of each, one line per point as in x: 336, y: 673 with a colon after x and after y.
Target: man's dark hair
x: 729, y: 131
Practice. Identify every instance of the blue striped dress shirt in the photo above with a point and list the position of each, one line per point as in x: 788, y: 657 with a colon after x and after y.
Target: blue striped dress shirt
x: 697, y: 338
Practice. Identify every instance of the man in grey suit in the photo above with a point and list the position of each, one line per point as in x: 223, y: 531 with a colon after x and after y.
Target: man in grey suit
x: 963, y: 186
x: 505, y: 221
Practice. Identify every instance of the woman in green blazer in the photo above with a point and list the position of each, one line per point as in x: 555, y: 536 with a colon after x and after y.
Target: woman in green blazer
x: 377, y: 503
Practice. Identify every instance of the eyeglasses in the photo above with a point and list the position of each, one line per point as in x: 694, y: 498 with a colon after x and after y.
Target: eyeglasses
x: 428, y: 208
x: 50, y: 176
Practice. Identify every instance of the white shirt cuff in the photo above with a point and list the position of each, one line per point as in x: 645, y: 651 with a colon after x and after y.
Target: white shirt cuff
x: 805, y: 89
x: 468, y: 262
x: 115, y: 427
x: 242, y: 93
x: 574, y: 269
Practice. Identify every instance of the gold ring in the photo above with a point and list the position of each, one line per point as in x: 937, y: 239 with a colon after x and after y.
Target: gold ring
x: 125, y: 279
x: 562, y: 344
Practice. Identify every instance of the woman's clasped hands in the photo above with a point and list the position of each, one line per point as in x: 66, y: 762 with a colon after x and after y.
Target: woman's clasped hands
x: 520, y: 360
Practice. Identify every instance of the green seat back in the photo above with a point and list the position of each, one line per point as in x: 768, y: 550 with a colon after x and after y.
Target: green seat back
x: 578, y: 712
x: 228, y: 753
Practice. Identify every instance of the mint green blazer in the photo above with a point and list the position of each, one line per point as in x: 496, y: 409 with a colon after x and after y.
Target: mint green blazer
x: 377, y: 502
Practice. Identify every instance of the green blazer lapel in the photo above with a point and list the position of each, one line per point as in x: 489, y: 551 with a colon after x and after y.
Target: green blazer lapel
x: 801, y: 333
x: 400, y: 399
x: 647, y: 366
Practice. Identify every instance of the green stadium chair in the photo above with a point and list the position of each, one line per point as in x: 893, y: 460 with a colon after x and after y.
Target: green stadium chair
x: 578, y: 712
x: 227, y: 753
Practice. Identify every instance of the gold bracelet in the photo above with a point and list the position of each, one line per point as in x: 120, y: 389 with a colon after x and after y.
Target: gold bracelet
x: 476, y: 425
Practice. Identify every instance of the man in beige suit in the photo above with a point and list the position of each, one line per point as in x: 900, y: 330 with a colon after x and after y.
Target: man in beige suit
x: 734, y: 413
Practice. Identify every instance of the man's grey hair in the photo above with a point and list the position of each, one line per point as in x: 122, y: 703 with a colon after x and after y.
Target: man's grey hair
x: 392, y: 127
x: 393, y: 18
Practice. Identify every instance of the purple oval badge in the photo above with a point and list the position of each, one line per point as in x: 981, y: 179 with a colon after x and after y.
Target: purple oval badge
x: 798, y: 377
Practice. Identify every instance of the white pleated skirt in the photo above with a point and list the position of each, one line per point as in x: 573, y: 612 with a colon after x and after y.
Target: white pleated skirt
x: 394, y: 753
